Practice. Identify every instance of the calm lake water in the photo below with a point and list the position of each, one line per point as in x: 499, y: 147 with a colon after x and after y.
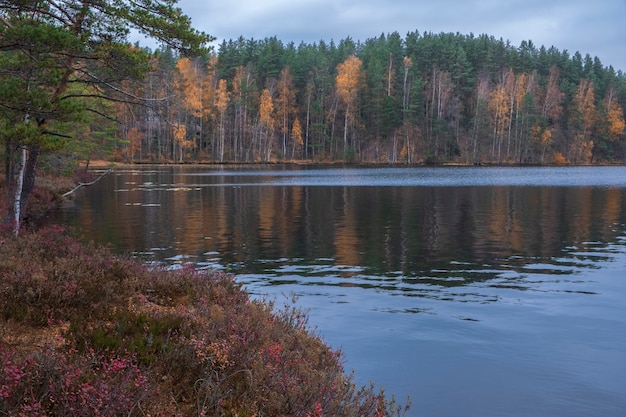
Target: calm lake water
x: 475, y: 291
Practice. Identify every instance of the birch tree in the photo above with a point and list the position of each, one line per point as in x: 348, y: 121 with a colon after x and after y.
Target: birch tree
x: 222, y: 99
x: 266, y: 124
x: 285, y: 104
x: 615, y: 115
x: 499, y: 105
x: 582, y: 121
x: 348, y: 83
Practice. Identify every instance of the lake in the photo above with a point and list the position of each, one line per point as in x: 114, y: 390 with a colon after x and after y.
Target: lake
x: 476, y: 291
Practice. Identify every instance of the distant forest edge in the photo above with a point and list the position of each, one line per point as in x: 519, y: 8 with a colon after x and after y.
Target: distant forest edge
x: 425, y: 98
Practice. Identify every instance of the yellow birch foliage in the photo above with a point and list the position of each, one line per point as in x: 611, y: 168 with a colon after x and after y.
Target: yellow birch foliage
x: 616, y: 120
x: 267, y: 122
x: 180, y: 132
x: 499, y: 105
x: 180, y: 135
x: 349, y: 79
x: 559, y: 159
x: 521, y: 86
x: 222, y: 96
x: 296, y: 132
x: 191, y: 86
x: 243, y: 82
x: 266, y: 109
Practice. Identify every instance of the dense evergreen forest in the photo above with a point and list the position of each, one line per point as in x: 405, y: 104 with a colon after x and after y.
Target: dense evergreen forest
x: 424, y: 98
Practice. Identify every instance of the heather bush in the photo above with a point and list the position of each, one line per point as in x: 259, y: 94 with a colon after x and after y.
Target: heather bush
x: 156, y: 341
x: 62, y: 382
x: 49, y: 274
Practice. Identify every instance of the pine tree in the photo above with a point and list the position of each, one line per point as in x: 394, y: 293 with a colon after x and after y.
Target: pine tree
x: 49, y: 46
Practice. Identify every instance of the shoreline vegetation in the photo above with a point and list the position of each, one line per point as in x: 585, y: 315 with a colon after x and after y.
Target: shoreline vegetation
x: 84, y: 332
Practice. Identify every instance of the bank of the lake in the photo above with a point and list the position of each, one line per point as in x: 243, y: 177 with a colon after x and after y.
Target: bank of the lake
x: 87, y: 332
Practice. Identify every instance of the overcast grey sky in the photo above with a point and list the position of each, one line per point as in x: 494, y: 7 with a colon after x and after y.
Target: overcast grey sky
x: 597, y: 27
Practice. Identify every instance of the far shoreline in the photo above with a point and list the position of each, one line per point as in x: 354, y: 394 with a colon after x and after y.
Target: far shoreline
x: 104, y: 164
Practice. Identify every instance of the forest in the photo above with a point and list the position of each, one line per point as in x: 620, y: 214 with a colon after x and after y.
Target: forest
x: 423, y: 99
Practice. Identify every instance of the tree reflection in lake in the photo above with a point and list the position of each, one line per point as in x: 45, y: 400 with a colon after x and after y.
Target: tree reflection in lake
x: 529, y: 259
x: 451, y: 235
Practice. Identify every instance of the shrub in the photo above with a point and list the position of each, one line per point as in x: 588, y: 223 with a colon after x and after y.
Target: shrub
x: 156, y: 342
x: 63, y: 383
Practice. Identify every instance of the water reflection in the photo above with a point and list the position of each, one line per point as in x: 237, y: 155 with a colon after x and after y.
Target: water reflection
x: 475, y: 291
x: 414, y: 240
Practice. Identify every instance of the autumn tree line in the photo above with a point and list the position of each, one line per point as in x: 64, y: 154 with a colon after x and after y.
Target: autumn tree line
x: 424, y: 98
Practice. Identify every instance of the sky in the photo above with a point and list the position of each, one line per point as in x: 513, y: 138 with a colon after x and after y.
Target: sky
x: 596, y: 27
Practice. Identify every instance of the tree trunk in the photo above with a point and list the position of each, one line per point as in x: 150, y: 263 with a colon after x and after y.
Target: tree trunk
x: 345, y: 131
x: 25, y: 183
x: 17, y: 204
x: 9, y: 168
x: 29, y: 172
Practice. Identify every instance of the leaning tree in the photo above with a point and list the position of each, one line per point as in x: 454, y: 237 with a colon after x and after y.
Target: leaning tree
x: 60, y: 59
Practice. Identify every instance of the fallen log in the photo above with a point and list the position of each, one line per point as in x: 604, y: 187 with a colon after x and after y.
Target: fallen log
x: 86, y: 184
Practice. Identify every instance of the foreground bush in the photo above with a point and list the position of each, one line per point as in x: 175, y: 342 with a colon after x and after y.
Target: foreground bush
x: 66, y: 383
x: 86, y: 333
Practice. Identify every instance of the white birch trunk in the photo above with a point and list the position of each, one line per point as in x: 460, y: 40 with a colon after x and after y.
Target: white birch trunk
x: 17, y: 207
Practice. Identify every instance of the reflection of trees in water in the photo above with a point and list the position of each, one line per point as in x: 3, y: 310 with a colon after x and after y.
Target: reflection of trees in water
x: 418, y: 231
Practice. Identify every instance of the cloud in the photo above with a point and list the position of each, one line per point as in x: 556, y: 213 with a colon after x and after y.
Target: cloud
x: 590, y: 27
